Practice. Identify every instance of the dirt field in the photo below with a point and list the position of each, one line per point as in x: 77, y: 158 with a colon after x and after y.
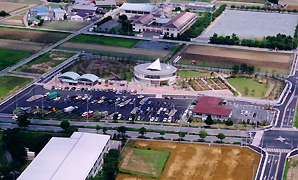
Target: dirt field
x: 30, y: 35
x: 201, y: 162
x: 242, y: 3
x: 89, y: 46
x: 15, y: 21
x: 64, y: 25
x: 225, y: 57
x: 21, y: 45
x: 11, y: 6
x: 293, y: 170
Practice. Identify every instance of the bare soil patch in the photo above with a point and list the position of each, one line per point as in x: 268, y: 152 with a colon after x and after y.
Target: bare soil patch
x: 31, y: 35
x: 11, y: 6
x: 89, y: 46
x: 225, y: 57
x: 194, y: 161
x: 21, y: 45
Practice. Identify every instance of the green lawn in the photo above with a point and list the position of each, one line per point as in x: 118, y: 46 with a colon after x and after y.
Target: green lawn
x: 45, y: 62
x: 10, y: 57
x: 192, y: 74
x: 104, y: 40
x: 250, y: 84
x: 150, y: 162
x: 296, y: 119
x: 10, y: 84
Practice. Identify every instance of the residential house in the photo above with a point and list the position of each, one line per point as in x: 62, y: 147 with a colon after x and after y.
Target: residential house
x: 41, y: 11
x: 82, y: 5
x: 59, y: 13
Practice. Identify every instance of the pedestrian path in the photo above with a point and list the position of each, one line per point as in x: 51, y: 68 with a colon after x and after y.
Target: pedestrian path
x: 284, y: 129
x: 277, y: 150
x: 257, y: 138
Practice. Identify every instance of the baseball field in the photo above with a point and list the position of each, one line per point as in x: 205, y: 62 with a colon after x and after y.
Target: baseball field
x: 226, y: 57
x: 194, y: 161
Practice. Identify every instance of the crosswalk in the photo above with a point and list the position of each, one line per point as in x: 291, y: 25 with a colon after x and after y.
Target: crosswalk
x: 284, y: 129
x: 277, y: 150
x: 257, y: 139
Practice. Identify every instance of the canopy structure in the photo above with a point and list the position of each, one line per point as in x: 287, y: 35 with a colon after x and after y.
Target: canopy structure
x: 155, y: 66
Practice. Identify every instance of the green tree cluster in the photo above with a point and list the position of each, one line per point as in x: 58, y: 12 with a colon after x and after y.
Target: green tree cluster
x: 229, y: 40
x: 3, y: 13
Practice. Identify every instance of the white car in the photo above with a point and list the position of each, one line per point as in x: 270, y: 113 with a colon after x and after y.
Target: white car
x: 152, y: 119
x: 165, y: 119
x: 90, y: 111
x: 85, y: 114
x: 140, y: 96
x: 56, y: 98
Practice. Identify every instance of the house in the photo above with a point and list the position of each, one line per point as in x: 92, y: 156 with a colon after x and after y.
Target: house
x: 76, y: 158
x: 105, y: 3
x: 130, y: 9
x: 201, y: 6
x: 81, y: 16
x: 82, y: 5
x: 150, y: 23
x: 59, y: 13
x: 41, y: 11
x: 179, y: 24
x: 211, y: 106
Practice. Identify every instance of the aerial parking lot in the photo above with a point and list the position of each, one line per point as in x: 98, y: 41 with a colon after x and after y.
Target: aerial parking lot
x: 95, y: 104
x: 248, y: 24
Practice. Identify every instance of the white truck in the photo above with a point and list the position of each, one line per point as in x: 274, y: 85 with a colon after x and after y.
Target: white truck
x: 69, y: 109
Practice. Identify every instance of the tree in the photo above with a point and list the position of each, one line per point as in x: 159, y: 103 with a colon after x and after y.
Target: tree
x: 273, y: 1
x: 235, y: 69
x: 115, y: 116
x: 64, y: 124
x: 203, y: 134
x: 190, y: 120
x: 246, y: 90
x: 209, y: 120
x: 23, y: 121
x: 181, y: 134
x: 122, y: 129
x: 40, y: 22
x: 250, y: 70
x: 38, y: 17
x: 65, y: 17
x: 97, y: 127
x: 162, y: 133
x: 221, y: 136
x: 142, y: 131
x: 123, y: 18
x: 104, y: 130
x: 229, y: 122
x: 71, y: 129
x: 243, y: 68
x: 233, y: 6
x: 133, y: 116
x: 3, y: 14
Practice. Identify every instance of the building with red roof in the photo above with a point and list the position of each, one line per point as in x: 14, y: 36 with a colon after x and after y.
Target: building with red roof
x: 213, y: 106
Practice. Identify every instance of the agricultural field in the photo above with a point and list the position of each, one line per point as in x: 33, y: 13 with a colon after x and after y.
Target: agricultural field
x: 45, y: 62
x: 35, y: 2
x: 242, y: 3
x: 150, y: 163
x: 192, y: 73
x: 14, y: 21
x: 10, y: 57
x: 196, y: 161
x: 10, y: 84
x: 105, y: 40
x: 21, y: 45
x: 13, y: 7
x: 291, y: 169
x: 114, y: 50
x: 64, y: 25
x: 220, y: 57
x: 31, y: 35
x: 249, y: 87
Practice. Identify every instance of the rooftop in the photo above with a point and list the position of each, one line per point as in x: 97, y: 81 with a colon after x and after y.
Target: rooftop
x: 70, y: 75
x: 89, y: 77
x: 59, y: 10
x: 201, y: 4
x: 155, y: 68
x: 144, y: 19
x: 105, y: 3
x: 180, y: 19
x: 66, y: 158
x: 210, y: 105
x: 137, y: 7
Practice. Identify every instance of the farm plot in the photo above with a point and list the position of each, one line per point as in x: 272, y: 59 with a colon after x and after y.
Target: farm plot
x: 31, y: 35
x: 226, y: 58
x: 21, y: 45
x: 194, y: 161
x: 14, y: 21
x: 10, y: 7
x: 149, y: 163
x: 10, y: 57
x: 64, y: 25
x: 113, y: 50
x: 45, y: 62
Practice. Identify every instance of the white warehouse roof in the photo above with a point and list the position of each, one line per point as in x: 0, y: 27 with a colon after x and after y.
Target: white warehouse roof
x: 66, y: 158
x: 137, y: 7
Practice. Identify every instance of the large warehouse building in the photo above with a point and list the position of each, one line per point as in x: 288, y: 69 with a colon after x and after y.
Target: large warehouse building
x: 78, y: 157
x: 155, y: 73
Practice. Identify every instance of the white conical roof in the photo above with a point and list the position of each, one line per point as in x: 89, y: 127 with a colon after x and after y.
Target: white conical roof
x: 155, y: 65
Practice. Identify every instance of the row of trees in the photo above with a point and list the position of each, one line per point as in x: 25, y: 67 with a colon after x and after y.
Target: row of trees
x: 280, y: 41
x: 198, y: 27
x: 244, y: 68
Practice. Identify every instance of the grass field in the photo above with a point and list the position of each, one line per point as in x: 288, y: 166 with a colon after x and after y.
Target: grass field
x: 296, y: 119
x: 104, y: 40
x: 192, y: 74
x: 143, y: 162
x: 31, y: 35
x: 10, y: 57
x: 201, y: 162
x: 64, y: 25
x: 227, y: 57
x: 10, y: 84
x: 241, y: 83
x: 45, y: 62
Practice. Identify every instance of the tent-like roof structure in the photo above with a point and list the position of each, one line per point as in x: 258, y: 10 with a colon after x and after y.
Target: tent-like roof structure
x: 70, y: 75
x: 88, y: 77
x: 155, y: 66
